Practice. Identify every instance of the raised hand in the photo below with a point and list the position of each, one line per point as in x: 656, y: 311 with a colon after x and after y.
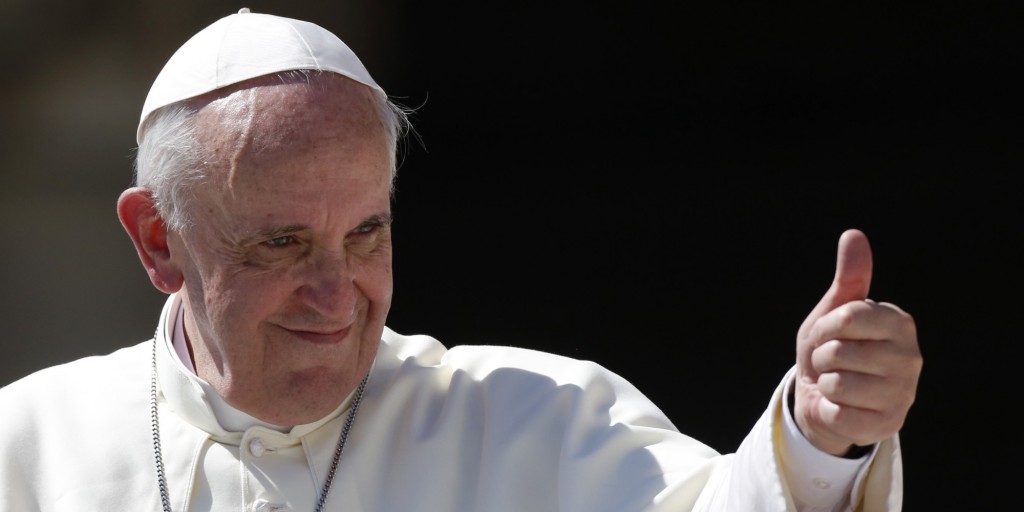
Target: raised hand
x: 858, y: 360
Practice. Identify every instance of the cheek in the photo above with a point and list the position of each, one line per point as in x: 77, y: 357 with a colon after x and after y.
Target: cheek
x: 384, y: 291
x: 383, y: 278
x: 376, y: 282
x: 241, y: 304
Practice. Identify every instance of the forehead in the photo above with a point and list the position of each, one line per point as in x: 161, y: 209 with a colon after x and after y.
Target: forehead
x: 293, y: 140
x: 281, y: 116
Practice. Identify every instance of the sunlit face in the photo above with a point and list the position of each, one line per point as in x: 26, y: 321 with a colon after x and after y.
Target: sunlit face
x: 287, y: 270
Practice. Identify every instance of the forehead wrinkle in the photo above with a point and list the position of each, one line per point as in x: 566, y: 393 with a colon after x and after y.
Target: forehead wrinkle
x: 267, y: 232
x: 244, y: 125
x: 263, y: 123
x: 227, y: 124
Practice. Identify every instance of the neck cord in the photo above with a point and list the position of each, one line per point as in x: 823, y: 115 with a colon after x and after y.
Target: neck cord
x: 161, y: 476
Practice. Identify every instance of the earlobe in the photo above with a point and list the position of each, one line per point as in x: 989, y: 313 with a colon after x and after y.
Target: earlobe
x: 148, y: 232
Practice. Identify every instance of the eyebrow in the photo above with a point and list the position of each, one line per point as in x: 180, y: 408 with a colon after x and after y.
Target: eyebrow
x: 380, y: 219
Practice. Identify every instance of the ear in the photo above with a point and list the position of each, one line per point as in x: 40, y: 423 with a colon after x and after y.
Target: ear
x: 138, y: 215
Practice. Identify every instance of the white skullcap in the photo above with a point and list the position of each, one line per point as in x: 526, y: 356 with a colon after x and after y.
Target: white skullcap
x: 247, y: 45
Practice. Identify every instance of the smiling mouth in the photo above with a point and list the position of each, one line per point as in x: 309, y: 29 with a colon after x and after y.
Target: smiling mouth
x: 320, y: 337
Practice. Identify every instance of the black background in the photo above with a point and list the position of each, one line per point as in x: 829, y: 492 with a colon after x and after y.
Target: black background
x: 658, y: 187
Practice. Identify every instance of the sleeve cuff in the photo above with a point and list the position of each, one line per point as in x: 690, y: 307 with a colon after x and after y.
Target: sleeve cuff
x: 817, y: 480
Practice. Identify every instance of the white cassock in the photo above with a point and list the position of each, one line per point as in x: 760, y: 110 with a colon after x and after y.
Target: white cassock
x: 472, y: 428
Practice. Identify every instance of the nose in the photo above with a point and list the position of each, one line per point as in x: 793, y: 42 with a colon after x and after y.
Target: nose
x: 328, y: 285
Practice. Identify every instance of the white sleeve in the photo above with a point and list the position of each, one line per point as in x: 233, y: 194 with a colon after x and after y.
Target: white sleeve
x: 818, y: 481
x: 776, y: 469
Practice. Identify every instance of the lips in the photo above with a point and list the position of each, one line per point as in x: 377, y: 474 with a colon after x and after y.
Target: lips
x: 320, y: 336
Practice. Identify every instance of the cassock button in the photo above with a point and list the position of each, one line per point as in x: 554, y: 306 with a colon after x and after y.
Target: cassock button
x: 256, y: 448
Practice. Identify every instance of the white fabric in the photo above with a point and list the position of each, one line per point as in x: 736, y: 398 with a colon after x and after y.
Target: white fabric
x: 493, y: 429
x: 246, y: 45
x: 819, y: 480
x: 178, y: 340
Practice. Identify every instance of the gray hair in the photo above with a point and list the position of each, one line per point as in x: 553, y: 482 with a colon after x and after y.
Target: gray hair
x: 170, y: 158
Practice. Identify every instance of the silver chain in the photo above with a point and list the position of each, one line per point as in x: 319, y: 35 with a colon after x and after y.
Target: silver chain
x: 356, y: 400
x: 161, y: 477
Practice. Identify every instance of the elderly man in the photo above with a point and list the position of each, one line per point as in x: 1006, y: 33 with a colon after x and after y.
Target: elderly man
x: 263, y: 209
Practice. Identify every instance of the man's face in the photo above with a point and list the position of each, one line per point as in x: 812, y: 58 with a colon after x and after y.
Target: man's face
x: 287, y: 268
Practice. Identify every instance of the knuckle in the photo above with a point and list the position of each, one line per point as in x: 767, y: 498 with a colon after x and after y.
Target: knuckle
x: 837, y: 385
x: 911, y: 365
x: 845, y: 316
x: 825, y: 355
x: 908, y: 324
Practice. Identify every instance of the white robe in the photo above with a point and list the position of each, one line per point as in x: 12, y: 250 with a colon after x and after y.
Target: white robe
x: 472, y: 428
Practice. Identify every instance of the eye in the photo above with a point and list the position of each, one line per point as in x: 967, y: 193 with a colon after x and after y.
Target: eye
x: 371, y: 225
x: 365, y: 228
x: 281, y: 241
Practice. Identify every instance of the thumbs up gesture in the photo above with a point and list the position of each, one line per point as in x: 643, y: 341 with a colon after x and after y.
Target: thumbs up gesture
x: 858, y: 361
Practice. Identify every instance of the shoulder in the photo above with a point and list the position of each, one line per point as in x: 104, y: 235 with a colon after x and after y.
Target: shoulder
x: 92, y: 409
x: 515, y: 375
x: 484, y: 361
x: 98, y: 376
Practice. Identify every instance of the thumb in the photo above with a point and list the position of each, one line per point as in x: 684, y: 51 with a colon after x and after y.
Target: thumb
x: 853, y: 274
